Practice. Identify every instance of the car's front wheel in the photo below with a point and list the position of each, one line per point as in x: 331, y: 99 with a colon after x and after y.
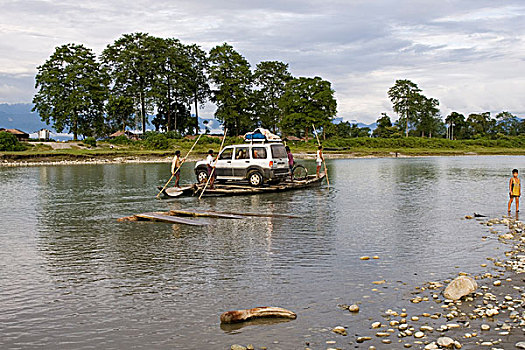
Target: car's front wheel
x: 255, y: 178
x: 202, y: 175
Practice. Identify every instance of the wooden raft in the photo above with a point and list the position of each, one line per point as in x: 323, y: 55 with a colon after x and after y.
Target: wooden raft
x: 241, y: 189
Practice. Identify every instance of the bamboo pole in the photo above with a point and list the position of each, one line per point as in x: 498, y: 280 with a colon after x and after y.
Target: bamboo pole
x: 172, y: 175
x: 213, y: 169
x: 324, y: 162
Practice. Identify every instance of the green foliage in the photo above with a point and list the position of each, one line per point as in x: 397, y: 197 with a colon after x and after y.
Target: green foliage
x: 90, y: 141
x: 120, y: 140
x: 9, y: 142
x: 71, y: 90
x: 173, y: 135
x: 120, y: 112
x: 157, y: 141
x: 230, y: 72
x: 270, y: 79
x: 307, y: 101
x: 405, y: 96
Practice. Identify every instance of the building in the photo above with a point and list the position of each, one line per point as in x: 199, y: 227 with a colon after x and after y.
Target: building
x: 126, y: 133
x: 19, y: 134
x: 43, y: 134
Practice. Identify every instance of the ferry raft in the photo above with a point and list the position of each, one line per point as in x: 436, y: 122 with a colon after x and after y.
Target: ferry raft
x: 240, y: 188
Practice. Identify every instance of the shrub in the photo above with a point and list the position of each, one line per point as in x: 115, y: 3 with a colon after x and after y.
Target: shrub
x: 174, y: 135
x: 9, y: 142
x: 157, y: 141
x: 120, y: 140
x: 90, y: 141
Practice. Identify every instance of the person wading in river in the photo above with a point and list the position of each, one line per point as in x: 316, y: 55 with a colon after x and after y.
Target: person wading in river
x: 210, y: 161
x: 515, y: 190
x: 319, y: 159
x: 175, y: 167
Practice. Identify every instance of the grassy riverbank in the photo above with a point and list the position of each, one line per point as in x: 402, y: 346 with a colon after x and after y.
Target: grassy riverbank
x: 334, y: 148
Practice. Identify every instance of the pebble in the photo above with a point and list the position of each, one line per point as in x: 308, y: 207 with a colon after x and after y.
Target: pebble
x: 445, y: 342
x: 365, y: 258
x: 376, y: 324
x: 485, y: 327
x: 363, y: 339
x: 419, y: 335
x: 497, y: 283
x: 520, y: 345
x: 340, y: 330
x: 353, y: 308
x: 237, y: 347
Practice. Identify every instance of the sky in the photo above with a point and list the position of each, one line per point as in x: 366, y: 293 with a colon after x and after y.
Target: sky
x: 469, y: 54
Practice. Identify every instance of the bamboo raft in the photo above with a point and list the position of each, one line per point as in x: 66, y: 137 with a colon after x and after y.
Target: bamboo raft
x: 240, y: 189
x: 181, y: 216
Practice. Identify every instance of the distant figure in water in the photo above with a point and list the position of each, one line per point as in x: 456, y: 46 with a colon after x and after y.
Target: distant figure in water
x: 319, y: 159
x: 175, y: 167
x: 515, y: 190
x: 291, y: 162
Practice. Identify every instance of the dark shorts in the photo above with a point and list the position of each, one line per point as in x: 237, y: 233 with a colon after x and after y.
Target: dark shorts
x: 210, y: 169
x: 513, y: 196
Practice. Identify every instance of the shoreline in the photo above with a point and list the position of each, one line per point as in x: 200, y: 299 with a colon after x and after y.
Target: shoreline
x: 490, y: 317
x: 92, y: 159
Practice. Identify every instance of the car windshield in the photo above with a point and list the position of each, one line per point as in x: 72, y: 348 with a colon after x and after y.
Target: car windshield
x: 278, y: 151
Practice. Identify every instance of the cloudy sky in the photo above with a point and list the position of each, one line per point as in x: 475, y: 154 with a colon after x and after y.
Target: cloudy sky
x: 469, y: 54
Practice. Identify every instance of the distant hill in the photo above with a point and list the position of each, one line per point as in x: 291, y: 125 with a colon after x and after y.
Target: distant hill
x: 372, y: 126
x: 19, y: 116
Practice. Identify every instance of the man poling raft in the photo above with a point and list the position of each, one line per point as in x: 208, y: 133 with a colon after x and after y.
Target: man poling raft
x: 175, y: 170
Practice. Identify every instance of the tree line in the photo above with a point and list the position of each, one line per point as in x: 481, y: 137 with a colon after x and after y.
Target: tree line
x: 139, y: 76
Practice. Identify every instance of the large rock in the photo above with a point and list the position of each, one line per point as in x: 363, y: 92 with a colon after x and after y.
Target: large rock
x: 445, y: 342
x: 460, y: 286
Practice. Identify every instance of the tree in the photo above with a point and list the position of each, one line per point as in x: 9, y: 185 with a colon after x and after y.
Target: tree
x: 507, y: 124
x: 405, y: 96
x: 428, y: 118
x: 71, y: 92
x: 170, y: 88
x: 270, y: 78
x: 307, y: 101
x: 456, y: 122
x: 9, y: 142
x: 230, y: 72
x: 197, y: 78
x: 480, y: 124
x: 119, y: 112
x: 385, y: 128
x: 130, y: 61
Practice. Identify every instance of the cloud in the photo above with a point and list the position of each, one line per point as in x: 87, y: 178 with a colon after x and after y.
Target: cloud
x: 466, y: 53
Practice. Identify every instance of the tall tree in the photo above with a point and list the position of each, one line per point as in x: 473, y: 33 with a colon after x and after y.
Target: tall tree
x: 230, y: 72
x: 428, y: 118
x: 71, y: 92
x: 384, y: 127
x: 270, y: 78
x: 307, y: 101
x: 456, y: 122
x: 119, y: 112
x: 171, y: 86
x: 480, y: 124
x: 405, y: 96
x: 507, y: 124
x: 130, y: 60
x: 198, y: 79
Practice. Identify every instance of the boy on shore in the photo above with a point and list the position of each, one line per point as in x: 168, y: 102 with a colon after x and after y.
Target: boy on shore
x: 515, y: 190
x: 175, y: 167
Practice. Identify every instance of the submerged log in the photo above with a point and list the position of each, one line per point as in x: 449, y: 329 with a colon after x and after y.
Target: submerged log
x: 258, y: 312
x: 128, y: 218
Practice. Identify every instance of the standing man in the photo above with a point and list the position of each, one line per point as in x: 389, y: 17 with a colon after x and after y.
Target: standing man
x: 210, y: 164
x: 319, y: 159
x: 290, y: 161
x: 175, y: 167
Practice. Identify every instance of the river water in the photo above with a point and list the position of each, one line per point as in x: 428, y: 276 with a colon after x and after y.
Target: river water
x: 71, y: 276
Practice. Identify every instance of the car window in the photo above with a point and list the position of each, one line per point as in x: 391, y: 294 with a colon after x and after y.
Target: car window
x: 278, y: 151
x: 226, y: 154
x: 259, y: 153
x: 242, y: 153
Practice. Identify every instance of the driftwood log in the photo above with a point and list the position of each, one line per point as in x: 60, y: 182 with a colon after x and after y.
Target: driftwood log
x: 258, y: 312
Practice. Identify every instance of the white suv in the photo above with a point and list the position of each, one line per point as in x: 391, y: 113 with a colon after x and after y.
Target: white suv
x: 257, y: 162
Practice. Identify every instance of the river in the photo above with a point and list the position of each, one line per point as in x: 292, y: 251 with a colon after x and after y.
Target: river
x: 71, y: 276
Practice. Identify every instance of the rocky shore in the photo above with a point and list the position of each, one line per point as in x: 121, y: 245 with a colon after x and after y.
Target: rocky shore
x: 483, y: 311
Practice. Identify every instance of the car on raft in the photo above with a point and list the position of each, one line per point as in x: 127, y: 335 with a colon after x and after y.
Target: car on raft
x: 263, y: 159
